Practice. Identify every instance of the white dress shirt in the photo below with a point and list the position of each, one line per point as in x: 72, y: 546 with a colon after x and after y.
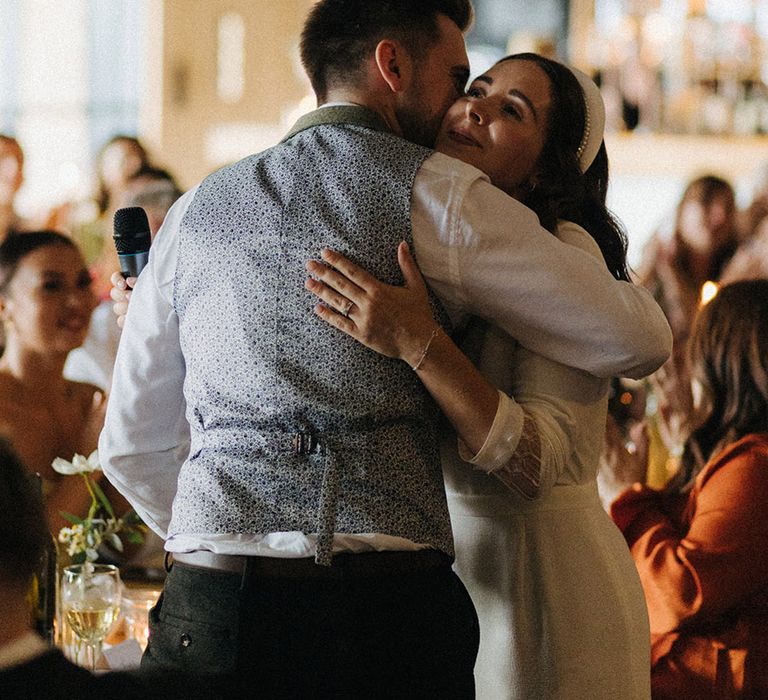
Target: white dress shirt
x: 481, y: 251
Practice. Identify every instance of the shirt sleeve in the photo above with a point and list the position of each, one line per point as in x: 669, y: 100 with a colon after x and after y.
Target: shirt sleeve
x: 533, y: 435
x: 696, y: 574
x: 486, y: 254
x: 146, y: 436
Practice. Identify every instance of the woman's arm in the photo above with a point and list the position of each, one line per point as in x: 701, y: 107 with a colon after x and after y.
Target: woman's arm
x: 398, y: 322
x: 697, y: 573
x: 497, y: 435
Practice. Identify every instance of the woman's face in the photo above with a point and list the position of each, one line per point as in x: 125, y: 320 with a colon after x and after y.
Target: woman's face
x: 119, y: 162
x: 706, y: 227
x: 48, y: 303
x: 500, y: 125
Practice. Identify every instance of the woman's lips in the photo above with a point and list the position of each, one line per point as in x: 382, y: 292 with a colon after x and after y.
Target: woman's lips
x: 463, y: 137
x: 74, y: 324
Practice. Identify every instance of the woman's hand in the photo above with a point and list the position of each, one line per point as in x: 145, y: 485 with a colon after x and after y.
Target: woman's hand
x: 121, y: 295
x: 672, y: 387
x: 93, y: 423
x: 624, y: 461
x: 393, y: 321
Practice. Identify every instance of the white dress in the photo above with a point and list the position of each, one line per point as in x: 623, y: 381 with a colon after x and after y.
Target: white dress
x: 561, y: 609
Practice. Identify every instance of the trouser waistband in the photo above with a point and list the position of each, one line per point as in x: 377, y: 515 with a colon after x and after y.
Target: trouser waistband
x: 345, y: 565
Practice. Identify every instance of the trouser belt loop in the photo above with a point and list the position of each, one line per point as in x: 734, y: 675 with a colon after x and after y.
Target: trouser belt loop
x: 246, y: 573
x: 326, y: 516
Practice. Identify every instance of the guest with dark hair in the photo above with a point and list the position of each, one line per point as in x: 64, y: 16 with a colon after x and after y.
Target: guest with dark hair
x: 701, y: 543
x: 705, y: 237
x: 45, y: 307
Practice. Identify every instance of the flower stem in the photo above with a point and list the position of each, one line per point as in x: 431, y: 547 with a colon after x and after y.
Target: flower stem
x: 94, y: 500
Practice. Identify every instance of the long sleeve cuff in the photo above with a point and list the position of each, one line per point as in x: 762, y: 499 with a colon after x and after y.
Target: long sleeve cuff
x: 502, y: 439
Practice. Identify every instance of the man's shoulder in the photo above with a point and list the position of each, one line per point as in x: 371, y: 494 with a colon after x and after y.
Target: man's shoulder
x: 439, y: 165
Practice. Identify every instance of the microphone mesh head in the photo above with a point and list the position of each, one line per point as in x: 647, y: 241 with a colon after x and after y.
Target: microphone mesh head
x: 131, y: 230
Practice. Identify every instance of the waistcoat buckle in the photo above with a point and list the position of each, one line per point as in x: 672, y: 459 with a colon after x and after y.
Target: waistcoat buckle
x: 305, y: 444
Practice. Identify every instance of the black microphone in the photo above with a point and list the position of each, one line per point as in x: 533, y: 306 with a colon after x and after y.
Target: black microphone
x: 132, y: 240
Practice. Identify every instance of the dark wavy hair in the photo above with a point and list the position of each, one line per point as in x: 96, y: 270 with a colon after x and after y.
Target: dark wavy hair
x: 339, y: 35
x: 728, y: 355
x: 18, y: 245
x: 23, y: 524
x: 561, y: 190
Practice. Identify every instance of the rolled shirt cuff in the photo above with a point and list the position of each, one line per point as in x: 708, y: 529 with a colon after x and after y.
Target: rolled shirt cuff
x: 502, y: 439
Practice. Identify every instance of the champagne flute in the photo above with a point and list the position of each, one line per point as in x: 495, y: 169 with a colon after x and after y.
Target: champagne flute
x: 90, y: 599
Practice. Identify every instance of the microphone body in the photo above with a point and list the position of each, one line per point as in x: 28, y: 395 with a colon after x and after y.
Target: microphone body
x: 132, y: 240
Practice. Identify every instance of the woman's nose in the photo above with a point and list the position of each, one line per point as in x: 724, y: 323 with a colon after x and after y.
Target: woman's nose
x: 477, y: 112
x: 80, y: 298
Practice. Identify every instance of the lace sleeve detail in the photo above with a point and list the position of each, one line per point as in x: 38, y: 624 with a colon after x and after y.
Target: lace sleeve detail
x: 522, y: 472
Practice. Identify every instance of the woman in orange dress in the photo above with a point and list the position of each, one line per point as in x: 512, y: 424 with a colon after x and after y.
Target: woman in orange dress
x: 701, y: 544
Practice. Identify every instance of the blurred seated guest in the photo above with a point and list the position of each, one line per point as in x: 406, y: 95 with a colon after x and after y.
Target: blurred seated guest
x: 675, y: 270
x: 701, y: 543
x: 46, y: 302
x: 11, y: 179
x: 28, y: 667
x: 155, y: 191
x: 751, y: 218
x: 750, y: 261
x: 90, y: 224
x: 120, y: 160
x: 704, y: 238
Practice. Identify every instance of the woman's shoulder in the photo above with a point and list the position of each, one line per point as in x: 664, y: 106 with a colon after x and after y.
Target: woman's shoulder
x: 573, y: 234
x: 9, y: 390
x: 748, y: 453
x: 87, y: 394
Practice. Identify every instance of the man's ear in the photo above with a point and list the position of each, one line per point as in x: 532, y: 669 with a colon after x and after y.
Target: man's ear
x: 394, y: 64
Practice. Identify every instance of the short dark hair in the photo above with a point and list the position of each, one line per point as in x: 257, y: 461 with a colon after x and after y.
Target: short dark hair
x: 23, y: 525
x: 18, y: 245
x: 339, y: 34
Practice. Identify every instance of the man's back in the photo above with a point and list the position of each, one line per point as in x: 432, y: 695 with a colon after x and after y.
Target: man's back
x: 298, y: 416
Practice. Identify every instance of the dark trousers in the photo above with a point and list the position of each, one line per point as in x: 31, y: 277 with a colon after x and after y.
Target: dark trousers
x: 398, y: 634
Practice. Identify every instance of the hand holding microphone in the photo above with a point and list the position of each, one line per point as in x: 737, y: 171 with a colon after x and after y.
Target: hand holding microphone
x: 132, y: 238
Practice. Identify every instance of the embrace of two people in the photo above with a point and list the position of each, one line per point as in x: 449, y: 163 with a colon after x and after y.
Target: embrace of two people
x: 298, y: 478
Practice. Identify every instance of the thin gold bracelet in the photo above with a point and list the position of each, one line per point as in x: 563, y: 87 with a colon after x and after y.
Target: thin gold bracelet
x: 426, y: 349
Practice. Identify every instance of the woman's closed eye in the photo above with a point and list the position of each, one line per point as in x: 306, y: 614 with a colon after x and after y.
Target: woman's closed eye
x: 52, y: 285
x: 508, y: 108
x: 475, y: 91
x: 512, y: 111
x: 84, y: 281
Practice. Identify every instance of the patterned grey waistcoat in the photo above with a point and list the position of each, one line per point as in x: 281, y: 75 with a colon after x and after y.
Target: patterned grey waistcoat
x: 295, y: 426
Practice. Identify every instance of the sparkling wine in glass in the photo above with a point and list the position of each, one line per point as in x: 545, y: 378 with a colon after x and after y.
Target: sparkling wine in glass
x: 90, y: 599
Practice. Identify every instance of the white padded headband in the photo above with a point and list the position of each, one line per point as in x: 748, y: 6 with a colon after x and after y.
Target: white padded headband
x: 594, y: 120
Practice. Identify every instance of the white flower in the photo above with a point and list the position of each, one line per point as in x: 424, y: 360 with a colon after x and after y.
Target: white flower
x: 78, y: 465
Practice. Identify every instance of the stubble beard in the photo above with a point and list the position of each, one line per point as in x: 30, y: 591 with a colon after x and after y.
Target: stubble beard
x: 417, y: 124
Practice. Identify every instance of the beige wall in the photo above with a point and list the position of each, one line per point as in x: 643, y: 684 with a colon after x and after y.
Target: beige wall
x: 185, y: 122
